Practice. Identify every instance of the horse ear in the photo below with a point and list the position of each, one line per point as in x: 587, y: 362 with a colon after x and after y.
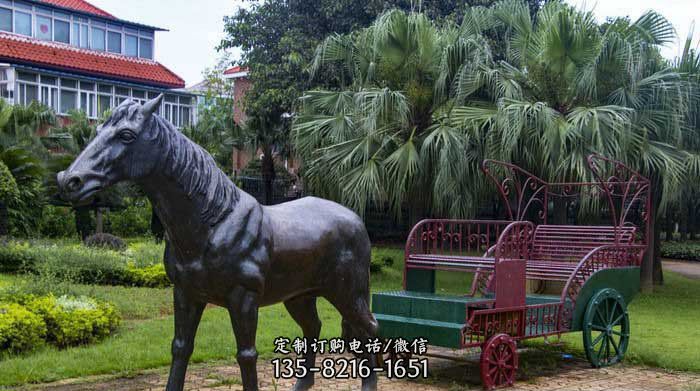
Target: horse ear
x: 151, y: 106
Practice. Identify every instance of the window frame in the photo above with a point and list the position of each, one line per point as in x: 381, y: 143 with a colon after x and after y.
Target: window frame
x: 175, y: 107
x: 78, y: 25
x: 67, y: 21
x: 29, y: 13
x: 12, y: 18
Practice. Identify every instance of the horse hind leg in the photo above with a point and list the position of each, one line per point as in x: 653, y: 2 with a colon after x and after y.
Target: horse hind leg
x: 358, y: 322
x: 303, y: 311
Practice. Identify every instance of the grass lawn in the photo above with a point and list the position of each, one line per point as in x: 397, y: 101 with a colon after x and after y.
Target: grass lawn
x: 664, y: 330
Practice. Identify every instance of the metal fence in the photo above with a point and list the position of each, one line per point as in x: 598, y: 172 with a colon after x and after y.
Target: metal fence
x: 282, y: 190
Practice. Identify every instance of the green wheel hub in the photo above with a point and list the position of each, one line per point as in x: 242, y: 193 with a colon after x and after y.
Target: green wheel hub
x: 606, y: 328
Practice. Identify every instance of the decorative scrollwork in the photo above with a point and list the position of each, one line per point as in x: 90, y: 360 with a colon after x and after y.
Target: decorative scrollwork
x: 598, y: 259
x: 523, y: 194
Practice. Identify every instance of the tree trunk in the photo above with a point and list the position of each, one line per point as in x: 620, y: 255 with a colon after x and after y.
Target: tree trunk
x: 691, y: 219
x: 683, y: 220
x: 268, y: 174
x: 83, y: 222
x: 98, y: 221
x: 658, y: 272
x: 652, y: 256
x: 559, y: 214
x: 4, y: 220
x: 669, y: 224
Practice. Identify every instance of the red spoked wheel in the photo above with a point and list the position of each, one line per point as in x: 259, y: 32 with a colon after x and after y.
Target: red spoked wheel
x: 499, y: 362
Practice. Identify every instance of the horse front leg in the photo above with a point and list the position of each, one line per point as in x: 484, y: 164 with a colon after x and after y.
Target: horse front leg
x: 243, y: 310
x: 188, y: 313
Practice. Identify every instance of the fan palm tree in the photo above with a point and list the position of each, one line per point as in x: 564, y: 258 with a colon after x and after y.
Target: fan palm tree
x: 387, y: 135
x: 688, y: 65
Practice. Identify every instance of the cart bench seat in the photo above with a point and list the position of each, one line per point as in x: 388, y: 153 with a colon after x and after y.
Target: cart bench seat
x: 536, y: 269
x: 555, y: 252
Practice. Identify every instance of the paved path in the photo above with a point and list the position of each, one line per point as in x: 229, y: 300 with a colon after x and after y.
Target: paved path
x: 686, y: 268
x: 446, y: 375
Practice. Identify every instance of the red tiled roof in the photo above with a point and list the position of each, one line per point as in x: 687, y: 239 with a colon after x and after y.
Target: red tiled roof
x: 54, y: 55
x: 236, y: 69
x: 80, y: 5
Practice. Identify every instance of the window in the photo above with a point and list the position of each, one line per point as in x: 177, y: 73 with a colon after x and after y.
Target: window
x: 104, y: 103
x: 68, y: 101
x: 43, y: 28
x: 69, y: 83
x: 87, y: 103
x: 114, y: 42
x: 185, y: 116
x: 121, y: 95
x: 5, y: 90
x: 98, y: 38
x: 49, y: 80
x: 49, y: 96
x: 146, y: 48
x: 180, y: 114
x: 61, y: 31
x: 132, y: 45
x: 26, y: 76
x: 26, y: 93
x: 23, y: 23
x: 5, y: 19
x: 80, y: 35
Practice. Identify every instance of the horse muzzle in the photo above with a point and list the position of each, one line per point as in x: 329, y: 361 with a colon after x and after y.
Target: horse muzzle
x: 78, y: 188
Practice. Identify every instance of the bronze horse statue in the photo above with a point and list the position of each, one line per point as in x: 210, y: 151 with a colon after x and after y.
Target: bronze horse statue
x: 223, y: 247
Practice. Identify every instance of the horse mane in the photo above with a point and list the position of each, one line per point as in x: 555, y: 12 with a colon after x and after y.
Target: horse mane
x: 192, y: 167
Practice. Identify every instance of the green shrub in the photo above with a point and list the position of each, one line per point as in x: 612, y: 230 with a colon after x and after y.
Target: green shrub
x: 133, y: 221
x: 153, y: 276
x: 25, y: 214
x: 15, y: 256
x: 379, y: 261
x: 145, y: 253
x: 9, y: 194
x: 20, y: 329
x: 61, y: 263
x: 8, y: 186
x: 58, y: 222
x: 689, y: 251
x: 80, y: 264
x: 105, y: 241
x: 74, y: 320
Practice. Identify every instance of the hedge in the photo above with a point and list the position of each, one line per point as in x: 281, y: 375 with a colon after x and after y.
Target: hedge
x: 74, y: 320
x: 140, y: 265
x: 689, y: 251
x: 20, y: 329
x: 32, y: 321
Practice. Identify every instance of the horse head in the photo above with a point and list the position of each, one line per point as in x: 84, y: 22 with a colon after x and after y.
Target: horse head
x: 115, y: 154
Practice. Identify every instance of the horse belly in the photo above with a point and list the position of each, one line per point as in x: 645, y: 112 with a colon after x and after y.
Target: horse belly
x: 316, y: 242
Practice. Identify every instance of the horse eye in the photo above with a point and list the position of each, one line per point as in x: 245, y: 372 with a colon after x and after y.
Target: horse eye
x: 127, y: 136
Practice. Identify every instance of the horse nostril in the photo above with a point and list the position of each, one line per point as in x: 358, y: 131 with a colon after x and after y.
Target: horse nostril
x: 74, y: 184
